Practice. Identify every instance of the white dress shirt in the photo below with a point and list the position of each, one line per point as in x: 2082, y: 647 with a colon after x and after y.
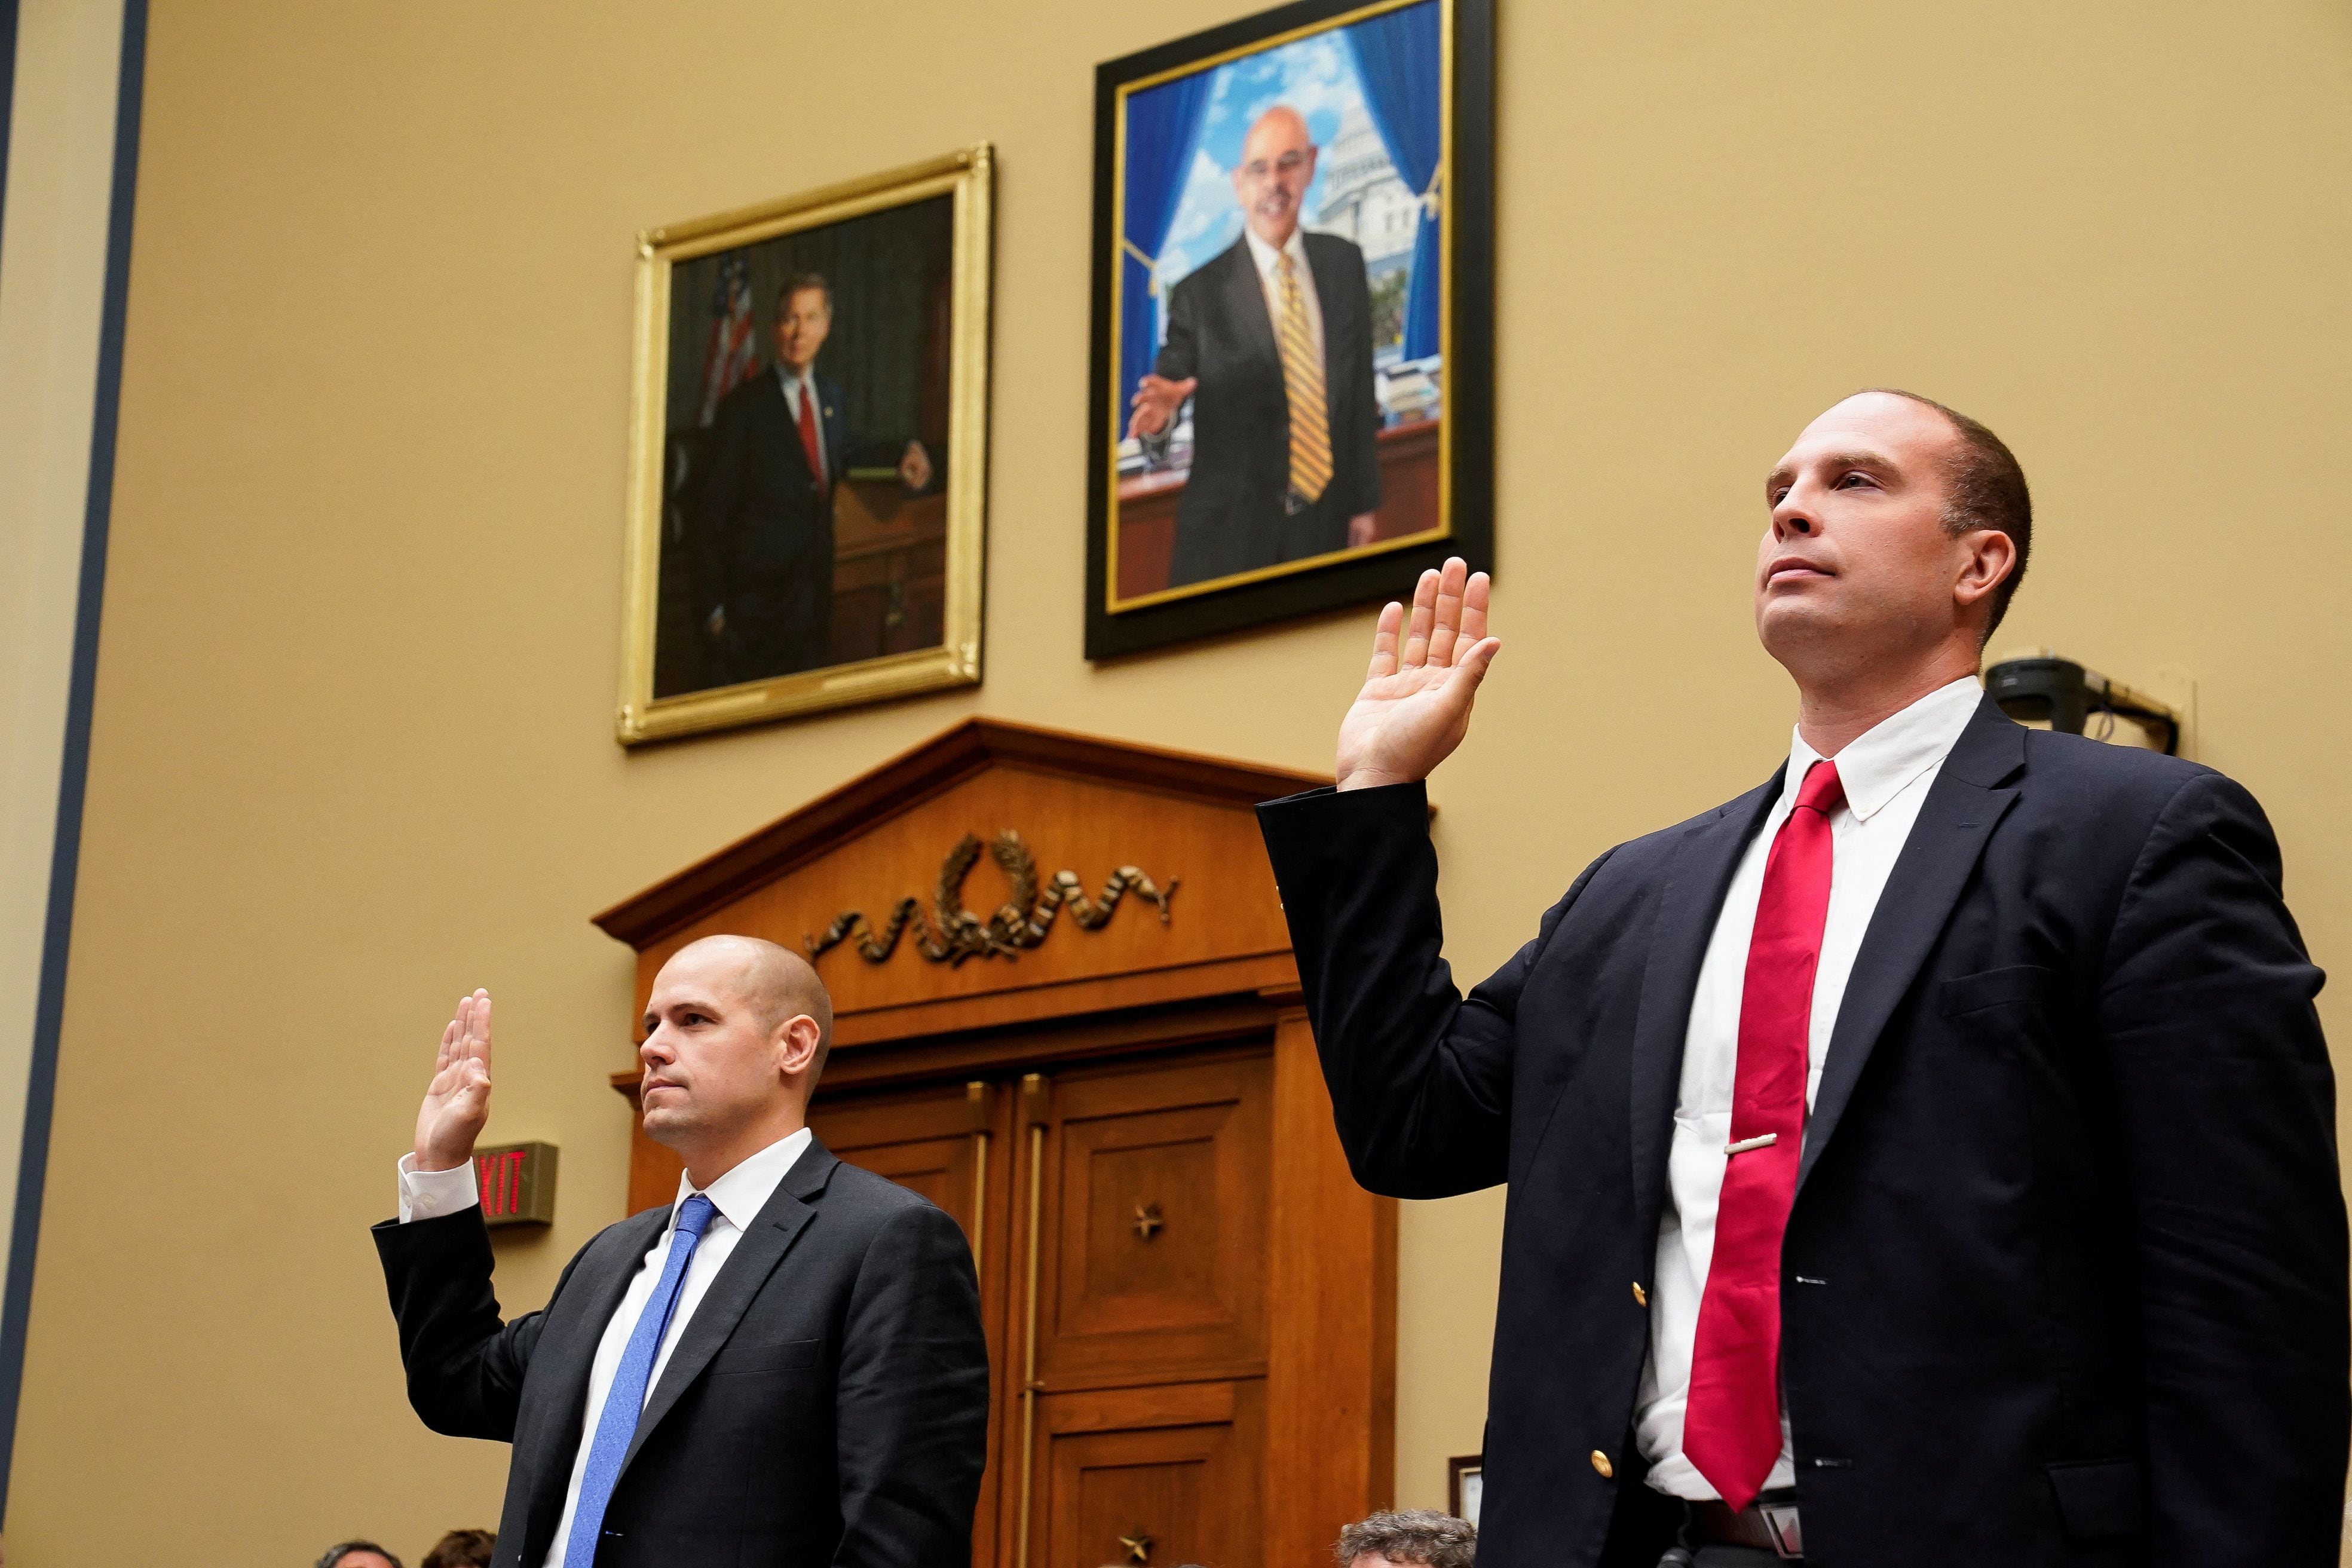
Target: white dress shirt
x: 739, y: 1196
x: 1269, y: 278
x: 1886, y: 773
x: 795, y: 388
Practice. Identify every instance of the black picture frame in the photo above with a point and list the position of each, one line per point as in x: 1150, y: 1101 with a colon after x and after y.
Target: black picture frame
x: 1117, y: 626
x: 1465, y: 1484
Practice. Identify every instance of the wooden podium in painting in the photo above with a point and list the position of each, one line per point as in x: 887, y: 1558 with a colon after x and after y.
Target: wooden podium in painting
x: 1191, y: 1304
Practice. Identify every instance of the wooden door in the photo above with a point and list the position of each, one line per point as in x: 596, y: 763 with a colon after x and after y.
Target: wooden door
x: 938, y: 1141
x: 1140, y: 1428
x: 1187, y: 1300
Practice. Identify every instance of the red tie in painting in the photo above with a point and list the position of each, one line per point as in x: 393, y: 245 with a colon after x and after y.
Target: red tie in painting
x: 808, y: 432
x: 1731, y: 1428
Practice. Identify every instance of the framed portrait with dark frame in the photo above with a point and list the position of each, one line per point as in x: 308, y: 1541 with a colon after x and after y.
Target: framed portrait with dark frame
x: 1291, y: 405
x: 808, y: 462
x: 1466, y: 1485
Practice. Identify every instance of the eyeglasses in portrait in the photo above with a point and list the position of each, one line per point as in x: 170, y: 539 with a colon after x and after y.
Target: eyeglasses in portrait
x: 806, y: 505
x: 1292, y: 348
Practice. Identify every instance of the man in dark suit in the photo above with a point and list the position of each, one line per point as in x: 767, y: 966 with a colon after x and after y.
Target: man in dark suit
x: 1272, y: 338
x: 783, y: 1366
x: 764, y: 546
x: 1927, y: 1158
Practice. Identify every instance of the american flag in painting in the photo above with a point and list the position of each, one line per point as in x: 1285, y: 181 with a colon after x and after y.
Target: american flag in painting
x: 731, y: 359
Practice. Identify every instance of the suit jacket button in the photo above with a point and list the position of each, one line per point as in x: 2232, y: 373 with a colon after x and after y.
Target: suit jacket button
x: 1600, y: 1463
x: 1640, y: 1296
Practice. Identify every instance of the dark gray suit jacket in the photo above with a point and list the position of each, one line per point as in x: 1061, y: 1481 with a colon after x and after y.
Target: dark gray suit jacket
x: 827, y: 1404
x: 2065, y: 1282
x: 1232, y: 518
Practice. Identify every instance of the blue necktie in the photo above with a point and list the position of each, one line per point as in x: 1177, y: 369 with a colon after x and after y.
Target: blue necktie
x: 626, y: 1397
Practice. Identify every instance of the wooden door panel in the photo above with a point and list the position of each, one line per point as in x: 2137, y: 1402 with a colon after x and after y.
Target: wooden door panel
x: 1149, y: 1477
x: 1154, y: 1237
x: 933, y: 1141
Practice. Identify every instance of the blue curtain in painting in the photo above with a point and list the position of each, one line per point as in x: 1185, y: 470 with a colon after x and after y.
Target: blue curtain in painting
x: 1399, y: 55
x: 1163, y: 128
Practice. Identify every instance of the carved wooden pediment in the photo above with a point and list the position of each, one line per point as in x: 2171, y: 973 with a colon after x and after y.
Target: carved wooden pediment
x: 999, y: 872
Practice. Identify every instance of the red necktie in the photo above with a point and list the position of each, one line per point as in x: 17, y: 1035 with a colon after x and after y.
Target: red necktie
x: 1731, y: 1428
x: 808, y: 432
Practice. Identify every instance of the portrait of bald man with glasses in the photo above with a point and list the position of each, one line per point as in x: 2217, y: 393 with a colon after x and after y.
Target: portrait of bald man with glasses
x: 1271, y: 341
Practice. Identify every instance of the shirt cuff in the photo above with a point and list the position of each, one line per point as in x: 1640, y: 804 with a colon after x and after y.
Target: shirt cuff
x: 429, y: 1195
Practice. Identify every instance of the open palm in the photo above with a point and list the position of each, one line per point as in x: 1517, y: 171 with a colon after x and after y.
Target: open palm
x: 457, y: 1100
x: 1414, y: 707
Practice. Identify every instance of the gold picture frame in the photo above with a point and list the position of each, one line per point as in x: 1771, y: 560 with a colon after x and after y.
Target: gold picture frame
x: 670, y: 685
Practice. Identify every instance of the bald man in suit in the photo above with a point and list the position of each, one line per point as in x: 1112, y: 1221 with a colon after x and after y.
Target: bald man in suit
x: 1272, y: 340
x: 783, y: 1365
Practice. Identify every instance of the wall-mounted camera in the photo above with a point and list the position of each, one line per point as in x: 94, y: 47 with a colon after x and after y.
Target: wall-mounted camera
x: 2044, y: 691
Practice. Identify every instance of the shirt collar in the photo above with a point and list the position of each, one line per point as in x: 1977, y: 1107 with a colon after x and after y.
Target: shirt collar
x: 806, y: 381
x: 1879, y: 763
x: 1263, y: 254
x: 743, y: 1192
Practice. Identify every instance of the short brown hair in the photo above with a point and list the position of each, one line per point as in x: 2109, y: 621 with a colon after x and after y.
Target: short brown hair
x: 1986, y: 490
x: 464, y: 1549
x: 1411, y: 1535
x: 798, y: 282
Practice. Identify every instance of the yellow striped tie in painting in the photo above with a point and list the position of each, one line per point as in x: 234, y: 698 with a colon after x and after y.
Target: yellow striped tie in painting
x: 1302, y: 383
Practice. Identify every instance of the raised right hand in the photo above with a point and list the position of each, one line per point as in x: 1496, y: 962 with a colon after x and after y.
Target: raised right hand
x: 1157, y: 399
x: 1415, y: 708
x: 457, y: 1101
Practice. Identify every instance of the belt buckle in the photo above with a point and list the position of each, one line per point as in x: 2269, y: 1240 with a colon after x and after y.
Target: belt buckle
x: 1293, y: 503
x: 1780, y: 1523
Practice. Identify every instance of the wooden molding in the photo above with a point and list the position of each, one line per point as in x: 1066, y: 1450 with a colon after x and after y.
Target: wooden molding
x: 917, y: 775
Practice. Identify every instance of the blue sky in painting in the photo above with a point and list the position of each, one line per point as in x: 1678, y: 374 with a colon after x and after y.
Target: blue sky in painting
x: 1316, y: 76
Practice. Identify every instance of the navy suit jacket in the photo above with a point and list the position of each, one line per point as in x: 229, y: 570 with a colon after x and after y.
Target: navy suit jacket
x: 765, y: 516
x: 2064, y: 1282
x: 826, y: 1405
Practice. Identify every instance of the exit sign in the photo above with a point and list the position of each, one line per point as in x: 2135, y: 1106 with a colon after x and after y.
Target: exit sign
x: 517, y: 1183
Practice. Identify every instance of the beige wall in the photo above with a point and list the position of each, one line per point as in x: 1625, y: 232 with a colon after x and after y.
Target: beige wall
x: 353, y: 751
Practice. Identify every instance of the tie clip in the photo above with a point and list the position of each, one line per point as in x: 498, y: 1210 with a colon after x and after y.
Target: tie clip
x: 1763, y: 1142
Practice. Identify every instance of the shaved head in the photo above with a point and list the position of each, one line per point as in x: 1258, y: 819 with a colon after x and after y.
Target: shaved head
x: 736, y: 1035
x: 778, y: 983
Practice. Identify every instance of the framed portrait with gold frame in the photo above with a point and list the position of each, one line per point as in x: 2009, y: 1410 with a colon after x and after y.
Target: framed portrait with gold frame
x: 1291, y: 405
x: 809, y: 452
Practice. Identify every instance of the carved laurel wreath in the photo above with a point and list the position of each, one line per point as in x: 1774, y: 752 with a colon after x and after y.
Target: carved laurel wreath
x: 954, y: 933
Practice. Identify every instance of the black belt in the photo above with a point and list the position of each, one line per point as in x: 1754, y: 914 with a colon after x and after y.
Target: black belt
x: 1768, y: 1524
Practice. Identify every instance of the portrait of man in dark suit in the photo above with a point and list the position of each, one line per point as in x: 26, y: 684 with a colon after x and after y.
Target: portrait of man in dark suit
x: 1271, y: 341
x: 762, y: 535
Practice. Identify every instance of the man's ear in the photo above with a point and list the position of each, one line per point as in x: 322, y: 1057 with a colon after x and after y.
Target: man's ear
x: 1991, y: 557
x: 796, y: 1044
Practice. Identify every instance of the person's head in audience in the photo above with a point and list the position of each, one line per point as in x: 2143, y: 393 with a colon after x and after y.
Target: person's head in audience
x: 464, y: 1549
x: 1408, y: 1538
x: 358, y: 1554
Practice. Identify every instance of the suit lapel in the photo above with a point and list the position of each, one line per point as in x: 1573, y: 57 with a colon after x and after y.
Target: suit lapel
x: 602, y: 1281
x: 836, y: 440
x: 1332, y: 298
x: 1695, y: 879
x: 787, y: 1213
x: 1974, y: 789
x: 1246, y: 303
